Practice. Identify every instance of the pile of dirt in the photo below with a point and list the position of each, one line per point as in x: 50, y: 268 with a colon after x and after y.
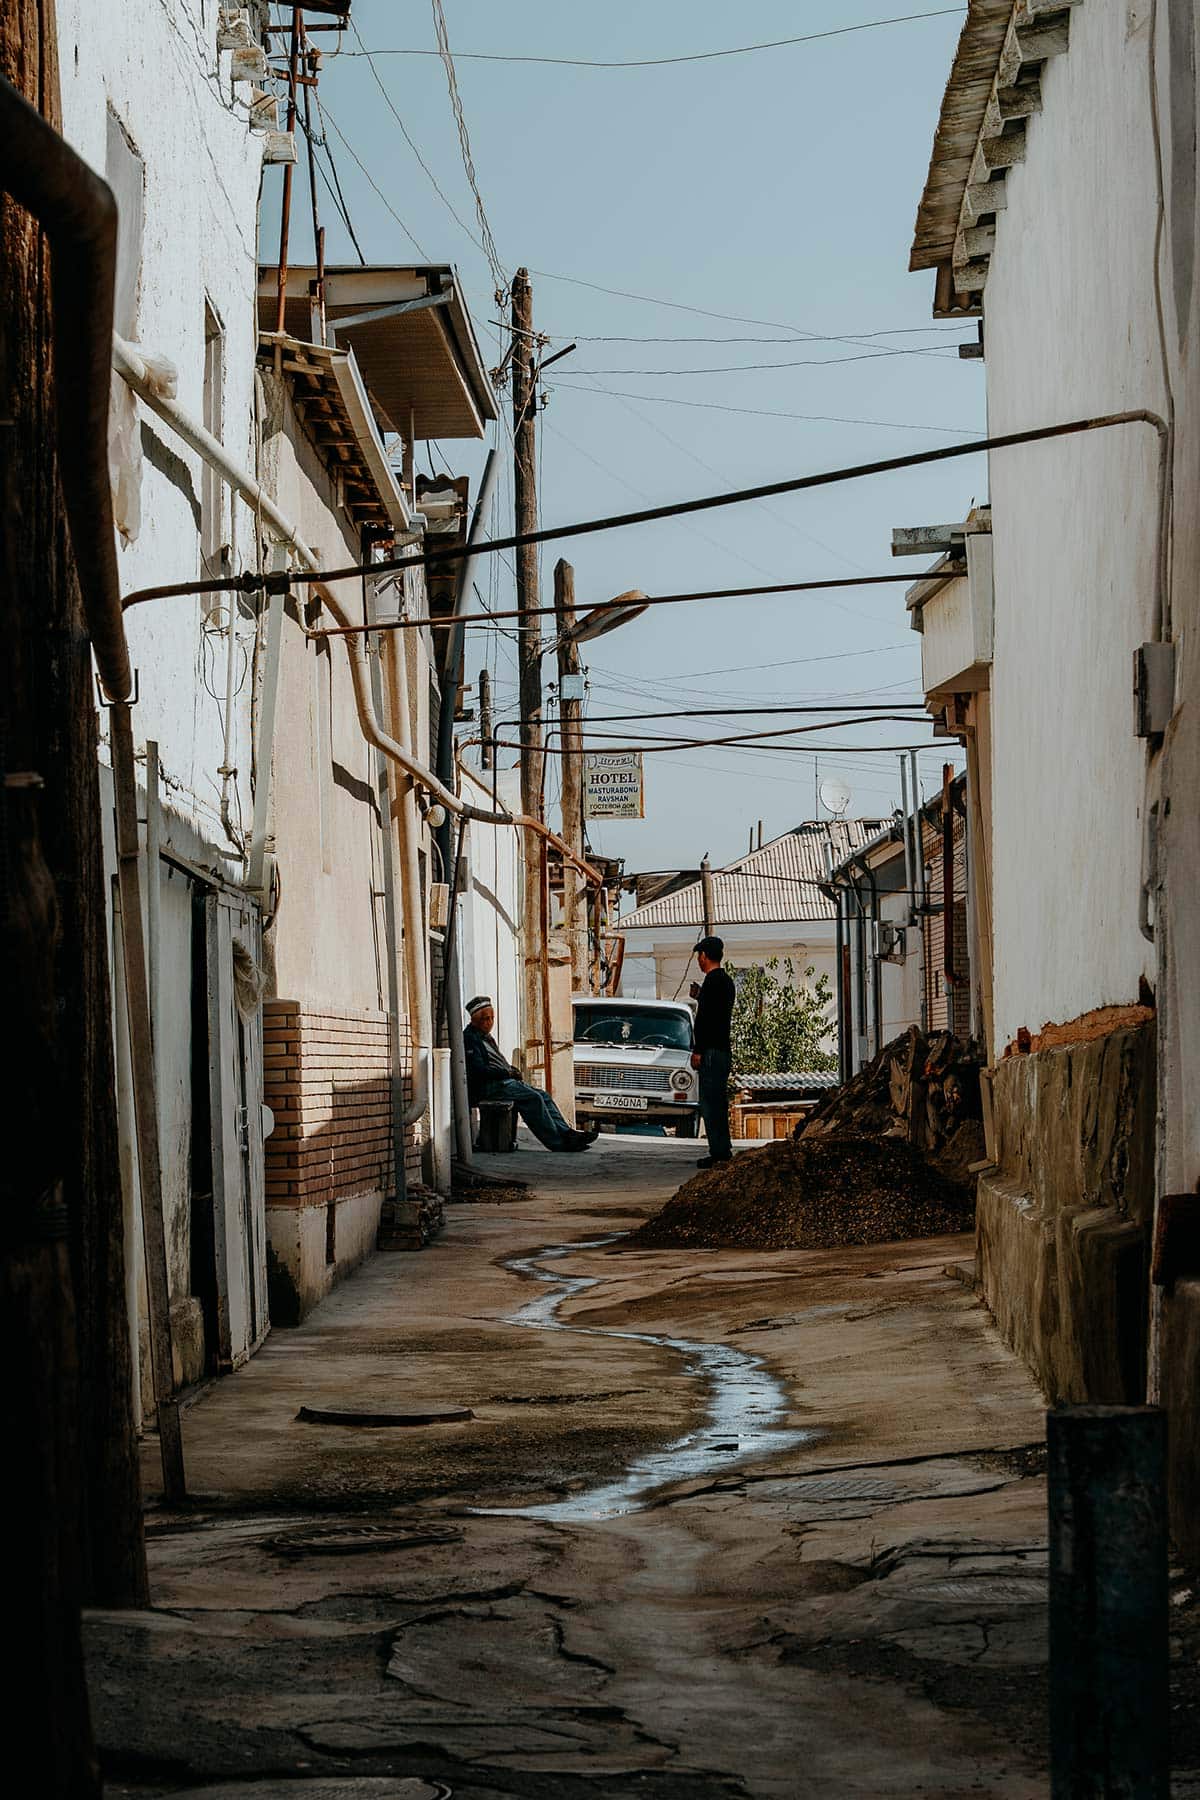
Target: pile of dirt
x: 921, y: 1087
x: 812, y: 1193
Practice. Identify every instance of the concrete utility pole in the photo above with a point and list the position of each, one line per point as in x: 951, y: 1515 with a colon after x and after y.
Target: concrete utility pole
x: 525, y: 400
x: 571, y: 725
x: 706, y: 893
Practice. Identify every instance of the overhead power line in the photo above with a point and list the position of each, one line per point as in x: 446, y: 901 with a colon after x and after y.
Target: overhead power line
x: 410, y: 140
x: 737, y: 712
x: 251, y: 582
x: 695, y: 56
x: 644, y: 600
x: 760, y: 412
x: 489, y: 243
x: 729, y: 743
x: 808, y: 362
x: 373, y: 184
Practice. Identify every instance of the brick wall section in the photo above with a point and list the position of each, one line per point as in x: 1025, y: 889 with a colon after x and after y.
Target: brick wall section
x: 326, y: 1079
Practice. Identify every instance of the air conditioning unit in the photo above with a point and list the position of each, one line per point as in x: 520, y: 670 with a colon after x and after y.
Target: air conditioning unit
x: 439, y: 905
x: 280, y: 147
x: 892, y: 943
x: 264, y: 112
x: 249, y: 63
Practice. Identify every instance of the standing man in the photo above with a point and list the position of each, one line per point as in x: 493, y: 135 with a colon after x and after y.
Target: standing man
x: 711, y: 1056
x: 490, y: 1077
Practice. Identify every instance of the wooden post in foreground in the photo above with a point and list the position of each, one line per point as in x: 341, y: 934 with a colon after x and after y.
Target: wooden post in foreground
x: 1109, y: 1704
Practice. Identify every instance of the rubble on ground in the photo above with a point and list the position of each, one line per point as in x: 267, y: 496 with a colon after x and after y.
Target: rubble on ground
x: 886, y: 1157
x: 811, y: 1194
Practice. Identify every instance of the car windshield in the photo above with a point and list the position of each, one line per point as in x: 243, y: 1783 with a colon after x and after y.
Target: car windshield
x: 636, y: 1027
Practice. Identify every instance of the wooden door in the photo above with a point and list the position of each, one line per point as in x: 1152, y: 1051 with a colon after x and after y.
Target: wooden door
x: 233, y: 941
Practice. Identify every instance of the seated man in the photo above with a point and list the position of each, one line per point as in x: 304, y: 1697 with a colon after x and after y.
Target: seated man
x: 489, y: 1077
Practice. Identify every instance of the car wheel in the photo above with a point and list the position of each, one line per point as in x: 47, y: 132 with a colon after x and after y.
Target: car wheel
x: 689, y: 1127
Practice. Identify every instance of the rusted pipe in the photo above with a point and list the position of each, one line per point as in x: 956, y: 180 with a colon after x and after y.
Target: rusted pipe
x: 544, y: 903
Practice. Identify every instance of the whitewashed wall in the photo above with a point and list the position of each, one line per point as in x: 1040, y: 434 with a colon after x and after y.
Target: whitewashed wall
x: 155, y: 67
x: 1070, y: 330
x: 327, y: 943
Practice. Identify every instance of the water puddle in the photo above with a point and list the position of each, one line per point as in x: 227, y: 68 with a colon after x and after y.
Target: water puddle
x: 746, y: 1404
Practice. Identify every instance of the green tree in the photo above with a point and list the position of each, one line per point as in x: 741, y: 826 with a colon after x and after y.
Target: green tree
x: 777, y: 1025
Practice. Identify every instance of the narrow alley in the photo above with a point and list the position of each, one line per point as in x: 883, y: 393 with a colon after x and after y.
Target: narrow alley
x: 841, y: 1594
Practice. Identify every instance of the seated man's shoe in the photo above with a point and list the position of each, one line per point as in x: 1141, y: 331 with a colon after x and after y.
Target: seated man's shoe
x: 580, y: 1140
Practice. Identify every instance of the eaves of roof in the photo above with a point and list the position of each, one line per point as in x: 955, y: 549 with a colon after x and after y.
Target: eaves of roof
x: 960, y: 120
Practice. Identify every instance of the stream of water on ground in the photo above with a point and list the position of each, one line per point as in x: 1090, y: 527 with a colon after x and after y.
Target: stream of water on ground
x: 746, y: 1403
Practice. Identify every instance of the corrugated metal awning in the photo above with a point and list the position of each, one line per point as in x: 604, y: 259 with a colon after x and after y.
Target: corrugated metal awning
x: 412, y: 335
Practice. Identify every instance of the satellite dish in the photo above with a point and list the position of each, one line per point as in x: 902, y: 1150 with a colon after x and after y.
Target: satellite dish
x: 835, y: 795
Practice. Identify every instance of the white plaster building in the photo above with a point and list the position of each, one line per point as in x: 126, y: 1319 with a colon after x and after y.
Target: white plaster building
x: 274, y: 836
x: 1060, y: 208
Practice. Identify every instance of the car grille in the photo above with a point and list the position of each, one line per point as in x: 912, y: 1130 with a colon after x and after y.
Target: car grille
x: 615, y: 1079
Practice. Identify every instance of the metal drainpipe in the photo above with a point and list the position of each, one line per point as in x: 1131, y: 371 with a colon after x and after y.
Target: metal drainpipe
x: 78, y: 214
x: 919, y: 864
x: 408, y: 824
x: 445, y: 770
x: 870, y: 943
x: 390, y: 939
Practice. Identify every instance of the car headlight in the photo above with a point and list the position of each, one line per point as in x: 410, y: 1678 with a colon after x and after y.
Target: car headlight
x: 680, y: 1080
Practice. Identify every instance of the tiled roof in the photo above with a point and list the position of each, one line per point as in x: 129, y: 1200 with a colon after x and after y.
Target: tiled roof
x: 777, y: 885
x: 794, y: 1078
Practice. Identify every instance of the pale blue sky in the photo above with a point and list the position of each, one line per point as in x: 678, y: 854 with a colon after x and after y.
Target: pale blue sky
x: 779, y: 187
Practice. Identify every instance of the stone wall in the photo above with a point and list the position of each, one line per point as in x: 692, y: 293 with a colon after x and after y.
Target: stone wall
x: 329, y: 1157
x: 1063, y: 1221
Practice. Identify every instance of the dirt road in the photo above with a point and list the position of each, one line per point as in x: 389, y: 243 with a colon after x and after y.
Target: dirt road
x: 723, y: 1524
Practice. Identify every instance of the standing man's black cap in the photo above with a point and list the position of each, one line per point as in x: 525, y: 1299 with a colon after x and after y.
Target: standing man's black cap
x: 713, y: 947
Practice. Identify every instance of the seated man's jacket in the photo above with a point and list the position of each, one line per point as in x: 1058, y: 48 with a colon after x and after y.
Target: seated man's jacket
x: 485, y: 1065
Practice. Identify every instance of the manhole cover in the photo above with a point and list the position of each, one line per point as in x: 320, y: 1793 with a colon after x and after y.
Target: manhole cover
x: 420, y: 1414
x: 358, y: 1540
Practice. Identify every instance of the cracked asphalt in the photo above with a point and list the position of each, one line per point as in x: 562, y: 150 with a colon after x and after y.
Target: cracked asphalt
x: 854, y: 1606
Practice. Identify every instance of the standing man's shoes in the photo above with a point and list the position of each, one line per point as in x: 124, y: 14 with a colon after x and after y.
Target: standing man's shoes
x: 712, y: 1162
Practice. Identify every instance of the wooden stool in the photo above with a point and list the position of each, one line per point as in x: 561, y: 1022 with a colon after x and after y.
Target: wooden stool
x: 497, y: 1126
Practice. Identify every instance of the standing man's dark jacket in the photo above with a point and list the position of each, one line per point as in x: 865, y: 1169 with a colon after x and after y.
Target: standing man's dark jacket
x: 714, y: 1011
x: 485, y: 1065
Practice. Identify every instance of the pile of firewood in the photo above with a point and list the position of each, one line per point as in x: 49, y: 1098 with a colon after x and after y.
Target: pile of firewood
x: 411, y: 1223
x: 921, y: 1088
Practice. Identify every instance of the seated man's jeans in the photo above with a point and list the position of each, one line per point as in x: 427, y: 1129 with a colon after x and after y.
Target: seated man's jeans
x: 714, y: 1102
x: 536, y: 1108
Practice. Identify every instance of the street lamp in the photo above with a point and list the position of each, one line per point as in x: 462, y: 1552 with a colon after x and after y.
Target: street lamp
x: 608, y: 616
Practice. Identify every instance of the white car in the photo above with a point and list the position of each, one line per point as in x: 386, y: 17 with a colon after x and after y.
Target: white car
x: 633, y: 1063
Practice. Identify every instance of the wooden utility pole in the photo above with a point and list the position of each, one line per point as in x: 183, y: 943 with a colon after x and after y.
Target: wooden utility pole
x: 570, y: 712
x: 485, y: 717
x: 70, y: 1509
x: 525, y: 401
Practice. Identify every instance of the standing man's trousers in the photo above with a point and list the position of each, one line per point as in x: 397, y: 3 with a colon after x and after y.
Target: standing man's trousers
x: 715, y: 1066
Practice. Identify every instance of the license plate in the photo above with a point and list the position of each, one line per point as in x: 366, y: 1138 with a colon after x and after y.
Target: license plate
x: 623, y: 1102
